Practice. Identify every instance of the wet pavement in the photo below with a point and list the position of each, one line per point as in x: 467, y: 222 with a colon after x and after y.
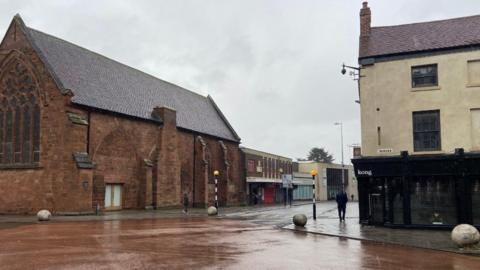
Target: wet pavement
x: 327, y: 223
x: 154, y: 214
x: 202, y: 243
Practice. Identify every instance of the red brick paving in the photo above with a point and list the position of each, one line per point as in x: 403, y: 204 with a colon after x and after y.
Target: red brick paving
x: 179, y: 243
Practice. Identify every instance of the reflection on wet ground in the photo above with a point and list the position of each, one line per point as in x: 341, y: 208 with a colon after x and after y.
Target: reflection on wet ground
x: 202, y: 243
x: 327, y: 223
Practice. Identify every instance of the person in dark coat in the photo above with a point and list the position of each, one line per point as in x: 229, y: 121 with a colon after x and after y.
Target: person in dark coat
x: 185, y: 203
x: 342, y: 199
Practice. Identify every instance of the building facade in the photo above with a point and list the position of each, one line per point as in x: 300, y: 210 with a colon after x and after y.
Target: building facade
x: 420, y: 116
x: 263, y: 173
x: 302, y: 186
x: 329, y: 180
x: 80, y: 131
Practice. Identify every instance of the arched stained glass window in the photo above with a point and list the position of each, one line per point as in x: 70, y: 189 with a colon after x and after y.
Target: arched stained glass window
x: 19, y: 117
x: 36, y: 133
x: 18, y: 135
x: 27, y: 134
x: 9, y: 137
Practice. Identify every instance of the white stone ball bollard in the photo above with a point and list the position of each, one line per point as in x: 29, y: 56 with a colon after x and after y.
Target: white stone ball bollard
x: 300, y: 220
x: 465, y: 235
x: 212, y: 211
x: 44, y: 215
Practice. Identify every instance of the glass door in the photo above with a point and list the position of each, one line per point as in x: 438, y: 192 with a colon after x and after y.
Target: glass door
x: 376, y: 201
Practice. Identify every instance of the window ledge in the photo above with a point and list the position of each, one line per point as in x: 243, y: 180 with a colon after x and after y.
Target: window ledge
x: 473, y: 85
x: 19, y: 166
x: 428, y: 152
x: 426, y: 88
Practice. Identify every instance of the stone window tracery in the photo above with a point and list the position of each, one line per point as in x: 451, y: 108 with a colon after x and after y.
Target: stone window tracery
x: 19, y: 116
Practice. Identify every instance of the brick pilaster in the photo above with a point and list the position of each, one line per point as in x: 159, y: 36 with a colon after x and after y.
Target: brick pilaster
x: 167, y: 187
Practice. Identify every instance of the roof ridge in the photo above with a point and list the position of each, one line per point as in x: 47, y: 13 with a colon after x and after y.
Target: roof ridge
x: 113, y: 60
x: 264, y: 152
x: 426, y: 22
x: 222, y: 116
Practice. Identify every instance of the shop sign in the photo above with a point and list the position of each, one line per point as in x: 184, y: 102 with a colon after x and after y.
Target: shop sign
x: 364, y: 173
x: 287, y: 181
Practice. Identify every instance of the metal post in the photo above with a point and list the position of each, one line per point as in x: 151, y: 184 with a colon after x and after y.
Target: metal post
x: 287, y: 196
x: 216, y: 193
x: 343, y: 164
x: 215, y: 177
x: 314, y: 202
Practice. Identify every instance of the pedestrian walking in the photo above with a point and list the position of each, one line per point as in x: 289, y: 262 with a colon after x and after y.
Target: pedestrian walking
x: 185, y: 203
x: 342, y: 199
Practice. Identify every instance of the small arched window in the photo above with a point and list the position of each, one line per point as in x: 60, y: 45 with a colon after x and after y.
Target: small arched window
x: 19, y: 117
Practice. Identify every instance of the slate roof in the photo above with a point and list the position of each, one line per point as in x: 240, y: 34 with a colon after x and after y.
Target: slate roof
x: 417, y: 37
x: 99, y: 82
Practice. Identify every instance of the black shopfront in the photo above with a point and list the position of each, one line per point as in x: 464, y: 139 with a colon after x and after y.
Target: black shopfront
x: 427, y: 191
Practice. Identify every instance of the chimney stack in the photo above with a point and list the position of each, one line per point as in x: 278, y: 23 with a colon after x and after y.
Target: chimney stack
x: 365, y: 20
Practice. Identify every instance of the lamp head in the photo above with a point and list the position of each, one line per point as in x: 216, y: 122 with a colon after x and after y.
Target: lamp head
x: 313, y: 173
x: 343, y: 69
x: 216, y: 173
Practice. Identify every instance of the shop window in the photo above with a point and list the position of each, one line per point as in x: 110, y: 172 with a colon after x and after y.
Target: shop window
x: 476, y: 201
x: 432, y: 201
x: 334, y: 181
x: 394, y: 194
x: 426, y: 131
x: 423, y: 76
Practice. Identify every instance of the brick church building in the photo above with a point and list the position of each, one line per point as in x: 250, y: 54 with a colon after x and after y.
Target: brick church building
x: 79, y: 130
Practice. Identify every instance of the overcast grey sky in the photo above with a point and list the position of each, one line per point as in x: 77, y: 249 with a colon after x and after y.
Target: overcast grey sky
x: 273, y: 67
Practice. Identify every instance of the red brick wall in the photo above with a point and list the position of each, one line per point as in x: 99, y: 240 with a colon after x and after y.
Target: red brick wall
x: 56, y: 183
x: 118, y: 146
x: 113, y: 155
x: 231, y: 183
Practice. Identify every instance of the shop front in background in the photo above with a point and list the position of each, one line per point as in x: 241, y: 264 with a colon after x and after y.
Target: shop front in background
x: 419, y: 191
x: 265, y: 193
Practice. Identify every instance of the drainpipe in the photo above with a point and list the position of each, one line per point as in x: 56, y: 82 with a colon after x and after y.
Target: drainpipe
x: 194, y: 162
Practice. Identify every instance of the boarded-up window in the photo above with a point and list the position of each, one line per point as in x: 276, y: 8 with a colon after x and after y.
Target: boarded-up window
x: 474, y: 72
x: 475, y: 131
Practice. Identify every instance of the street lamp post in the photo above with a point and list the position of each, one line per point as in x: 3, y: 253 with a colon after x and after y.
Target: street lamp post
x: 280, y: 170
x: 313, y: 173
x: 216, y: 174
x: 343, y: 165
x: 356, y: 75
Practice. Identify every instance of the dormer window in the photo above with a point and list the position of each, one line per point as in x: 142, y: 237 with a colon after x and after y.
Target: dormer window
x: 424, y: 76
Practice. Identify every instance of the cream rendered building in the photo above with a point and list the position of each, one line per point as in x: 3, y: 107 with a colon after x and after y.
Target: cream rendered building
x: 328, y: 181
x: 419, y: 88
x: 388, y: 100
